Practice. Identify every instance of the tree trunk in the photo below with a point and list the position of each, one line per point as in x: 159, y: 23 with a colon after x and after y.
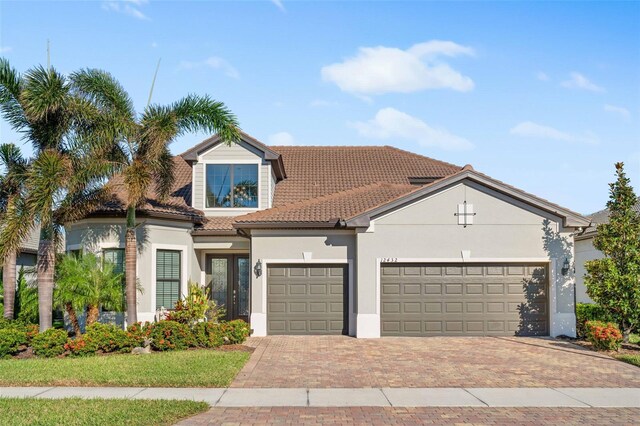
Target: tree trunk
x: 73, y: 319
x: 9, y: 283
x: 92, y: 314
x: 130, y: 255
x: 45, y: 268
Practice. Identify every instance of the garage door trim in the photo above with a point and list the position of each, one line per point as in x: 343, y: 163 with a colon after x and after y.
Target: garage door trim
x: 310, y: 262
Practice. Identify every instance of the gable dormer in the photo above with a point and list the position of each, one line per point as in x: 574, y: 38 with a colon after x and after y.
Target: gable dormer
x: 230, y: 180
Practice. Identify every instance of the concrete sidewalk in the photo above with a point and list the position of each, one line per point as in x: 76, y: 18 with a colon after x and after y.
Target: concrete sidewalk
x: 360, y: 397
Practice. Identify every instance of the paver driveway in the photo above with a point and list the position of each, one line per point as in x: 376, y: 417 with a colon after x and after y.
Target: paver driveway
x: 340, y: 361
x: 413, y: 416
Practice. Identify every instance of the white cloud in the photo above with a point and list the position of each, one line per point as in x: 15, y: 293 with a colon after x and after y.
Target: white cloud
x: 529, y: 129
x: 5, y: 49
x: 377, y: 70
x: 127, y: 7
x: 213, y: 62
x: 279, y: 4
x: 617, y: 110
x: 542, y: 76
x: 282, y: 139
x: 389, y: 123
x: 579, y: 81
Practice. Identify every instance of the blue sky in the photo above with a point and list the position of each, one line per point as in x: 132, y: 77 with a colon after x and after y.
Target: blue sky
x: 544, y: 95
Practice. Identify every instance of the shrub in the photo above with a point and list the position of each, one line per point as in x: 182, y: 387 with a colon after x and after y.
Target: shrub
x: 10, y: 341
x: 589, y: 312
x: 235, y: 331
x: 195, y: 307
x: 108, y: 338
x: 50, y: 343
x: 30, y: 330
x: 139, y: 332
x: 208, y: 334
x: 80, y: 347
x: 171, y: 335
x: 604, y: 336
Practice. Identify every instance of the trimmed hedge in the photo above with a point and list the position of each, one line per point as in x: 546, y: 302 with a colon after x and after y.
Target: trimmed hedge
x: 171, y: 335
x: 10, y: 341
x: 108, y: 338
x: 208, y: 335
x: 50, y: 343
x: 588, y: 312
x: 235, y: 331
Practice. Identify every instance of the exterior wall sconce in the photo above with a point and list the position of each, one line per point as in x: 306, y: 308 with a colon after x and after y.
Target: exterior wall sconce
x: 565, y: 267
x: 258, y: 268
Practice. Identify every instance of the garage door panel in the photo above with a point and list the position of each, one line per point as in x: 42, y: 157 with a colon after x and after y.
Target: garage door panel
x: 481, y: 299
x: 306, y: 300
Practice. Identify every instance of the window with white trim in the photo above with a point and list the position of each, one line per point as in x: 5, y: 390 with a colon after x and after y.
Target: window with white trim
x: 231, y: 186
x: 168, y: 265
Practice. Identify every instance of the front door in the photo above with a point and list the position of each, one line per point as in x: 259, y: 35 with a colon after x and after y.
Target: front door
x: 228, y: 283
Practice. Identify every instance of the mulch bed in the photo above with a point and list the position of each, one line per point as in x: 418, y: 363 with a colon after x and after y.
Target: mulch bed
x: 625, y: 348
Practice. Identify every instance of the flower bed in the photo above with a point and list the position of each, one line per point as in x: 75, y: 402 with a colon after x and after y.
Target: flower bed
x: 166, y: 335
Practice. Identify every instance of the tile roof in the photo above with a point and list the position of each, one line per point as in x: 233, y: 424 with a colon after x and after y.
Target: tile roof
x: 368, y: 174
x: 178, y: 203
x: 328, y: 209
x: 602, y: 216
x: 215, y: 224
x: 315, y: 171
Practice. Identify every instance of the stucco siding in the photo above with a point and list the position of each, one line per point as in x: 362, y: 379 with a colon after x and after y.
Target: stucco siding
x: 295, y: 246
x: 585, y: 251
x: 95, y: 235
x: 503, y: 229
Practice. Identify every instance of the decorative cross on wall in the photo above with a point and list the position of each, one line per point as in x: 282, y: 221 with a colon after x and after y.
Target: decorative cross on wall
x: 465, y: 214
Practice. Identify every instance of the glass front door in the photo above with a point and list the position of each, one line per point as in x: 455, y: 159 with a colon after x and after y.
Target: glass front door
x: 228, y: 279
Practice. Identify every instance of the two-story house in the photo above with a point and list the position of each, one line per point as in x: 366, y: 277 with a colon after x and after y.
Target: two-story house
x: 365, y: 241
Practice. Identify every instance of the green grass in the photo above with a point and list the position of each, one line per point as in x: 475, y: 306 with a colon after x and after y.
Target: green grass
x: 630, y: 359
x: 200, y: 368
x: 103, y: 412
x: 634, y: 338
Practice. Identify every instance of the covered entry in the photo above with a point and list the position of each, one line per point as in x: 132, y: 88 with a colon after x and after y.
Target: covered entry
x: 307, y: 299
x: 464, y: 299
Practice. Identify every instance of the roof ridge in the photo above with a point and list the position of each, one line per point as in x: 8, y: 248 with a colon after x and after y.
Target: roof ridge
x: 423, y: 157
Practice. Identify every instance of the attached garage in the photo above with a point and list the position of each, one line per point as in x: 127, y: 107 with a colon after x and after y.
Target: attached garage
x: 464, y: 299
x: 307, y: 299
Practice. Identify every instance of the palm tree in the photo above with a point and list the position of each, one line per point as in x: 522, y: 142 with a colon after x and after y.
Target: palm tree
x: 84, y: 282
x: 140, y: 147
x: 64, y: 178
x: 11, y: 187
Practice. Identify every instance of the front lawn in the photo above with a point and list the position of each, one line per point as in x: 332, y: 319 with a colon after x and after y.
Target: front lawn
x: 103, y: 412
x: 196, y: 368
x: 631, y: 359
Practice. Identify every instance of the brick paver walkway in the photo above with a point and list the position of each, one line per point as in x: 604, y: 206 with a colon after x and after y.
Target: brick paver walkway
x: 339, y: 361
x: 412, y: 416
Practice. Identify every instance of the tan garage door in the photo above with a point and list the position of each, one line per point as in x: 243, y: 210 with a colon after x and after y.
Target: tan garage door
x: 307, y: 299
x: 469, y: 299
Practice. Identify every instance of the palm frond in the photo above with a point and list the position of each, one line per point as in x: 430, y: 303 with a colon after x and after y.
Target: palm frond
x: 103, y: 90
x: 163, y: 174
x: 11, y: 84
x: 137, y: 179
x: 17, y: 224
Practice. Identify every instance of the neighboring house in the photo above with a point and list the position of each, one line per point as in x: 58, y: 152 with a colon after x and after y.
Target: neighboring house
x: 29, y: 251
x: 585, y: 251
x: 367, y: 241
